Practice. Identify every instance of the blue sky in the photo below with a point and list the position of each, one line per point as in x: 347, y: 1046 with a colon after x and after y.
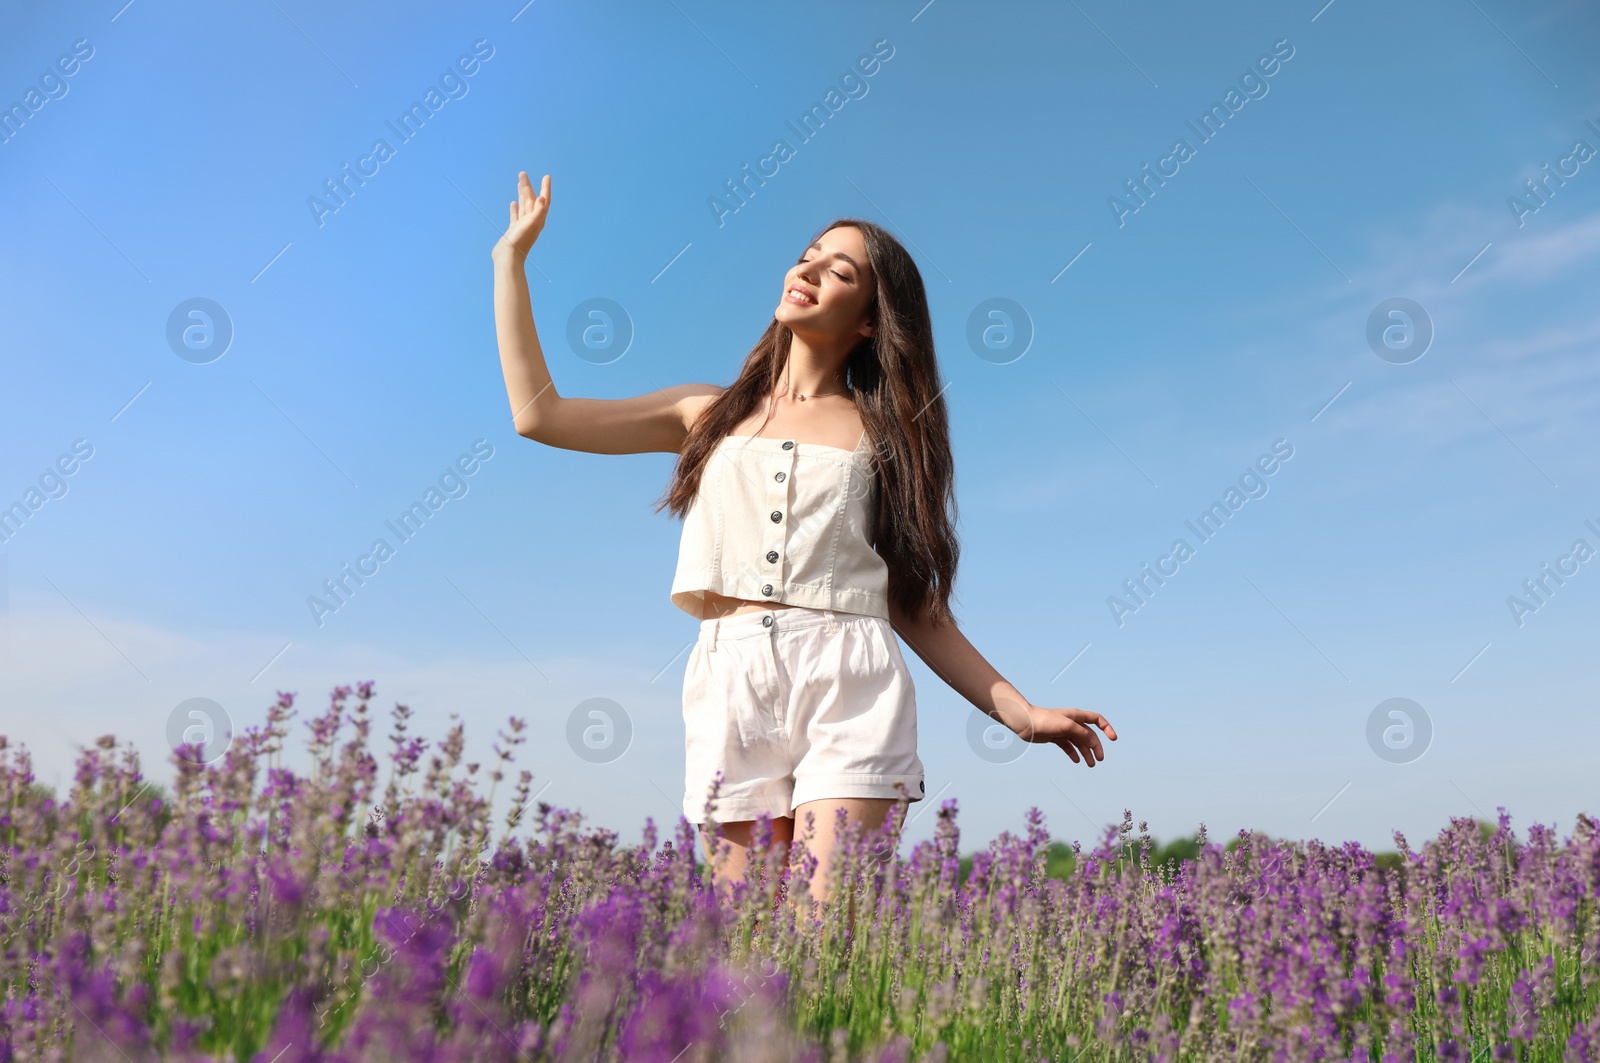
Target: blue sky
x: 1169, y: 348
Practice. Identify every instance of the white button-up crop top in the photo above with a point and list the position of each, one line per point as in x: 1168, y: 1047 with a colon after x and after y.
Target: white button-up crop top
x: 775, y: 520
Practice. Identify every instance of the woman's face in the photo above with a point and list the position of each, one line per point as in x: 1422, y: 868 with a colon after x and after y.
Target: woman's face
x: 837, y: 285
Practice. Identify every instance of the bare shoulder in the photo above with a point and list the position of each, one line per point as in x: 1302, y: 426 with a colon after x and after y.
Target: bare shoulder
x: 692, y: 400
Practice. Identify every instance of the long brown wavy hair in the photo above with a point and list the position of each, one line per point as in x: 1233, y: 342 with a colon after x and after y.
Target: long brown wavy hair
x: 900, y: 398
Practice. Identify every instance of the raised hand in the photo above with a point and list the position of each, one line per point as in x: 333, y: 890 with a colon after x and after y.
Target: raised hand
x: 527, y: 217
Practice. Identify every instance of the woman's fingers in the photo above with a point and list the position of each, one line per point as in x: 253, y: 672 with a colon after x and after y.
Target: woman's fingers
x: 525, y: 215
x: 1074, y: 746
x: 1086, y: 717
x: 529, y: 207
x: 1067, y: 729
x: 541, y: 205
x: 1092, y: 751
x: 525, y: 193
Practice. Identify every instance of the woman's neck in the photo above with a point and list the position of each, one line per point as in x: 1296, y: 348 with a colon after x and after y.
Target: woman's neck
x: 811, y: 372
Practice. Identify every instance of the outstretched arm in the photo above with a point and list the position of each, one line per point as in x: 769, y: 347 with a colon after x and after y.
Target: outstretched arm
x: 945, y: 650
x: 658, y: 421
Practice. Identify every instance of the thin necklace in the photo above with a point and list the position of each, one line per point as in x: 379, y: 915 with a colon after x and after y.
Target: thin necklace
x: 815, y: 394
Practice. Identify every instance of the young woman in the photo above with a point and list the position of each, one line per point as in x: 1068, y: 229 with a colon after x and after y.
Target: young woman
x: 818, y: 499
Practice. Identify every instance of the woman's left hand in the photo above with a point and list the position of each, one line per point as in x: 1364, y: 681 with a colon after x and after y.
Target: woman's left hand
x: 1068, y: 728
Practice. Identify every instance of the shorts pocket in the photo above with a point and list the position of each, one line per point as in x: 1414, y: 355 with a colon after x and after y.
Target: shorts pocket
x: 892, y: 646
x: 722, y: 695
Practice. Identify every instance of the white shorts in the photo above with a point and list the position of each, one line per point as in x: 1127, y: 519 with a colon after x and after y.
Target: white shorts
x: 794, y: 705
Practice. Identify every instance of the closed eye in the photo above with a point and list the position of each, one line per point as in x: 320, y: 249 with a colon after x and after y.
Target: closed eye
x: 835, y: 272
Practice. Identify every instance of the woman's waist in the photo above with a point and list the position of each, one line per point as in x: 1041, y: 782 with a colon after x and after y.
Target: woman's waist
x: 721, y: 592
x: 733, y: 617
x: 721, y: 606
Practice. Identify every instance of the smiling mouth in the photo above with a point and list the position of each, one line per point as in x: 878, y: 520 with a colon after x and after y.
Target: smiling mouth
x: 795, y: 295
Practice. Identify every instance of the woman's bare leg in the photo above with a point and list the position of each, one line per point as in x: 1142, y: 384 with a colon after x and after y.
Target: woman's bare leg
x: 741, y: 836
x: 870, y: 812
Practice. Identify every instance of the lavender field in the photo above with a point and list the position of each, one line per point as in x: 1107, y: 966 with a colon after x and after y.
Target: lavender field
x: 371, y: 909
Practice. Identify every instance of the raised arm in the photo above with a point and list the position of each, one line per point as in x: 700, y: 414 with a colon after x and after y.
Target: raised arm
x: 945, y: 650
x: 654, y: 422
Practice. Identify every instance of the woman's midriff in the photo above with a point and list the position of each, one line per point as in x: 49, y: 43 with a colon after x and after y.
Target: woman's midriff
x: 717, y: 606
